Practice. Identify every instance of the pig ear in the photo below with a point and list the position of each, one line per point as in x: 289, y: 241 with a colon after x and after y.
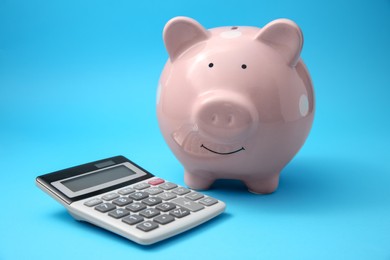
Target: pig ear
x: 284, y: 36
x: 180, y: 33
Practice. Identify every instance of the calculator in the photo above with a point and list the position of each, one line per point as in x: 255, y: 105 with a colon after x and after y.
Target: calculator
x: 120, y: 196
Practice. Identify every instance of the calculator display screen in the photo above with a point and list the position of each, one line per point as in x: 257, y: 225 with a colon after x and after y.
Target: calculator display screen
x: 97, y: 178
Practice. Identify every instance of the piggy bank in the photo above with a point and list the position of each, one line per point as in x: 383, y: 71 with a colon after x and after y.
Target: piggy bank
x: 234, y: 102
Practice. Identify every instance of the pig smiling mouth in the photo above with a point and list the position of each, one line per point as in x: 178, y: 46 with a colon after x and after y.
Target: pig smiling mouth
x: 236, y: 151
x: 192, y: 142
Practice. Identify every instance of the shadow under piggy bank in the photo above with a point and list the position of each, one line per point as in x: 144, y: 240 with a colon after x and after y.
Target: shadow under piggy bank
x: 311, y: 185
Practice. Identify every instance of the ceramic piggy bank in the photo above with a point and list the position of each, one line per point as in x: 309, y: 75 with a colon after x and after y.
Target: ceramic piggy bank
x: 234, y: 102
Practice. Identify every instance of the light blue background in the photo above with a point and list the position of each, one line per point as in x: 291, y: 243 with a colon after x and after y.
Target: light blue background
x: 78, y: 82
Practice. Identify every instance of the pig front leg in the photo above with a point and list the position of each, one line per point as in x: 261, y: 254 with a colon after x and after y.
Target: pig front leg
x: 198, y: 180
x: 263, y: 185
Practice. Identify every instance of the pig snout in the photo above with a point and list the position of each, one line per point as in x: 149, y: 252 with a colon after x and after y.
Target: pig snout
x: 224, y: 116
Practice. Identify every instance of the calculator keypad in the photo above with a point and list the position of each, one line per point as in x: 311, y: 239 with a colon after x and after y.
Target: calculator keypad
x: 147, y: 205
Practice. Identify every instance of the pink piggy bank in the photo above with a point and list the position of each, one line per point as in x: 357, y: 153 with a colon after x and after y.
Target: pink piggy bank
x: 234, y: 102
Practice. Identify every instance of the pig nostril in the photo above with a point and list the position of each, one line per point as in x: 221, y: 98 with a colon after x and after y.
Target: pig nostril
x: 230, y: 119
x: 214, y: 118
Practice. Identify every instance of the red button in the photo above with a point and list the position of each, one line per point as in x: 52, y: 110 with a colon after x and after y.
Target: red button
x: 156, y: 181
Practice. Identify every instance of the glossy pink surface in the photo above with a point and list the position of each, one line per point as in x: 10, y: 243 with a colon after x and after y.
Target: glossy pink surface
x: 234, y: 102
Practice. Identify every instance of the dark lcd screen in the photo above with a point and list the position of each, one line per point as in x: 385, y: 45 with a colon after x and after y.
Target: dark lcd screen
x: 97, y: 178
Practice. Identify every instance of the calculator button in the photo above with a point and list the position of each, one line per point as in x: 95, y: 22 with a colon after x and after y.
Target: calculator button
x: 118, y: 213
x: 181, y: 191
x: 147, y: 226
x: 166, y: 206
x: 168, y: 186
x: 135, y: 207
x: 167, y: 196
x: 153, y: 190
x: 139, y: 195
x: 208, y: 201
x: 149, y: 213
x: 151, y: 201
x: 126, y: 191
x: 122, y: 201
x: 110, y: 196
x: 141, y: 186
x: 194, y: 196
x: 133, y: 219
x: 93, y: 202
x: 105, y: 207
x: 188, y: 204
x: 156, y: 181
x: 179, y: 212
x: 164, y: 219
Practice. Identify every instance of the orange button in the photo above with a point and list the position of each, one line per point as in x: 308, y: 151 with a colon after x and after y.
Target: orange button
x: 156, y: 181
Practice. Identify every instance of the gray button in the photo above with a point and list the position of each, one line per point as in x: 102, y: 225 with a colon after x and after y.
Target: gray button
x: 105, y: 207
x: 126, y: 191
x: 118, y: 213
x: 188, y: 204
x: 194, y: 196
x: 181, y: 191
x: 135, y: 207
x: 133, y: 219
x: 149, y: 213
x: 122, y: 201
x: 164, y: 219
x: 168, y: 186
x: 93, y: 202
x: 167, y: 196
x: 147, y: 226
x: 208, y: 201
x: 141, y: 186
x: 151, y: 201
x: 153, y: 190
x: 110, y: 196
x: 179, y: 212
x: 166, y: 206
x: 139, y: 195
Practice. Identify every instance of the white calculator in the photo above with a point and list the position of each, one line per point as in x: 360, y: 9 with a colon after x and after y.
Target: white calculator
x: 118, y: 195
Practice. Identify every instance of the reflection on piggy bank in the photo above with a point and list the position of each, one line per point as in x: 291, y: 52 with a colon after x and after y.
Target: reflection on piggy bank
x: 234, y: 102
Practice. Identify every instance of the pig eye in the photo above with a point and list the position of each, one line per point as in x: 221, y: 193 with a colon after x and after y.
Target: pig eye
x: 211, y: 65
x: 243, y: 66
